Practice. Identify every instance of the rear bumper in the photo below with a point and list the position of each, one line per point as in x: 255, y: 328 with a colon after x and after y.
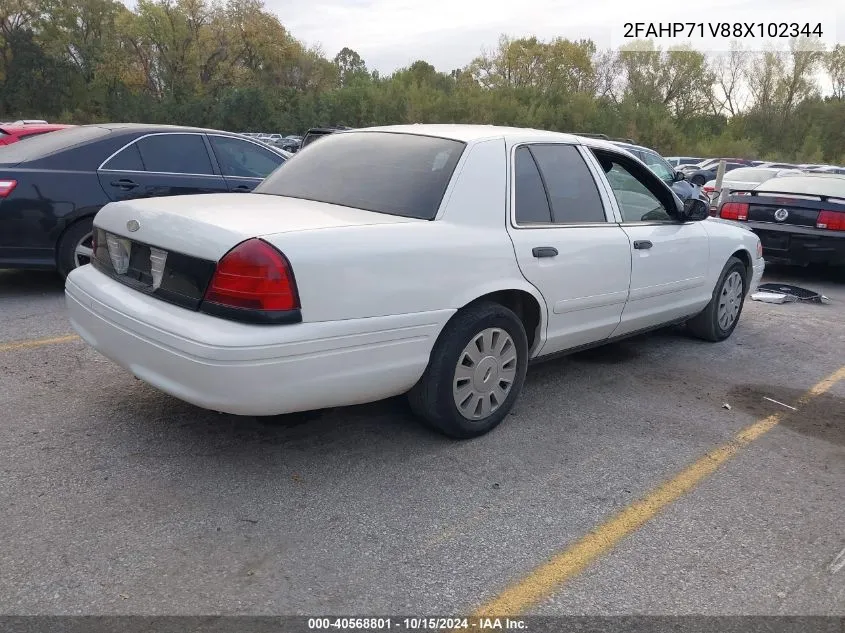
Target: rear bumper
x: 250, y: 369
x: 797, y: 245
x: 757, y: 275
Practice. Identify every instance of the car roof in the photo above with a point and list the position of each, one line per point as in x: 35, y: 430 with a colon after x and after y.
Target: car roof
x: 156, y: 127
x: 630, y: 146
x: 470, y: 133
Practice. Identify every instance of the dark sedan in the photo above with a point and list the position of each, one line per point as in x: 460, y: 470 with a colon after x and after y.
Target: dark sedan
x: 52, y: 186
x: 698, y: 175
x: 800, y: 219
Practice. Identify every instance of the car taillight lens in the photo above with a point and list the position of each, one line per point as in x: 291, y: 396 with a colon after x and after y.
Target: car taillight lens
x: 6, y: 187
x: 251, y: 282
x: 734, y: 211
x: 831, y: 220
x: 706, y: 189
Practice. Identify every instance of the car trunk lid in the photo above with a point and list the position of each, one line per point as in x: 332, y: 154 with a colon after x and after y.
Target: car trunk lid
x: 784, y: 210
x: 169, y: 247
x: 207, y: 226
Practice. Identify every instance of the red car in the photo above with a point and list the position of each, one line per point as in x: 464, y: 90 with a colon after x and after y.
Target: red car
x: 14, y: 132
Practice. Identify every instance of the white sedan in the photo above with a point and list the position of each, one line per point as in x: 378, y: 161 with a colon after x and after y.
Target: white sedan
x: 432, y: 260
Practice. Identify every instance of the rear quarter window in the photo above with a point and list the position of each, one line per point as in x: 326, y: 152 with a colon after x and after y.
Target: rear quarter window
x: 43, y: 145
x: 395, y: 173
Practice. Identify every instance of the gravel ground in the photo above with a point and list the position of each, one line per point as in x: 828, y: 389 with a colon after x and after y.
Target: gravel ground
x: 118, y: 499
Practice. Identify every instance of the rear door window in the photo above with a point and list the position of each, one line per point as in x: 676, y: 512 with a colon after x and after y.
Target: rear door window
x: 573, y: 193
x: 175, y: 154
x: 532, y: 205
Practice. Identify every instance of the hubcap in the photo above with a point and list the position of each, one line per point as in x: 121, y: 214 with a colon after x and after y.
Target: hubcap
x: 83, y: 252
x: 484, y: 374
x: 730, y: 300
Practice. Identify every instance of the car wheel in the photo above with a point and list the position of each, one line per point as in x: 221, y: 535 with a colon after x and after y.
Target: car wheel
x: 718, y: 320
x: 75, y: 246
x: 697, y: 180
x: 475, y: 374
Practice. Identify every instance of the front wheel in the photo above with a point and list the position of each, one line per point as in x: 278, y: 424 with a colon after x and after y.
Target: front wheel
x: 475, y: 374
x: 718, y: 320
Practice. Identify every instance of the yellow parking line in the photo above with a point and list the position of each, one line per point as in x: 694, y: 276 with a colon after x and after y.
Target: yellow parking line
x: 543, y: 580
x: 40, y: 342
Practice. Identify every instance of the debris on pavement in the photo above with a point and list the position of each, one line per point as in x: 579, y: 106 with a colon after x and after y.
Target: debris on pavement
x: 780, y: 403
x: 786, y: 293
x: 769, y: 297
x: 726, y: 406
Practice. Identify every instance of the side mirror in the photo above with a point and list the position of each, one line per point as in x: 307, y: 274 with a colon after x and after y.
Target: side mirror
x: 679, y: 176
x: 694, y: 209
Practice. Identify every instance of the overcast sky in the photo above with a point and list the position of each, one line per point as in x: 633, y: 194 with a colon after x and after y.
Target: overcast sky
x: 390, y: 34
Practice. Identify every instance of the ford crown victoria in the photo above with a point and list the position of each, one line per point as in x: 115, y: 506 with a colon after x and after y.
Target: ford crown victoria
x: 432, y: 260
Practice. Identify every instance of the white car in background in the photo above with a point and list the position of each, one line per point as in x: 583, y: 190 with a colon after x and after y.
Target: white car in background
x: 743, y: 178
x: 432, y: 260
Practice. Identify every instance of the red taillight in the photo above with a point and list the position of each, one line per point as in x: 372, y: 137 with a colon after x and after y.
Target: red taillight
x: 706, y: 189
x: 6, y: 187
x: 734, y: 211
x: 831, y: 220
x: 254, y: 276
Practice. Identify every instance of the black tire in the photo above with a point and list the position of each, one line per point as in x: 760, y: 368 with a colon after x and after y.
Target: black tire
x: 705, y: 325
x: 66, y: 251
x: 432, y: 398
x: 698, y: 180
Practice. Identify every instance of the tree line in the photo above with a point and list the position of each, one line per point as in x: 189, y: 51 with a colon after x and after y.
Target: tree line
x: 233, y: 65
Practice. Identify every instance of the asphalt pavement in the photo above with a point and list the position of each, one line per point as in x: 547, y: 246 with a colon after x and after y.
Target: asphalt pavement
x: 118, y: 499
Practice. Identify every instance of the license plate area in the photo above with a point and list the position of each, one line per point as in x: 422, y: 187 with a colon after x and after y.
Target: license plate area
x: 775, y: 241
x: 171, y: 276
x: 140, y: 263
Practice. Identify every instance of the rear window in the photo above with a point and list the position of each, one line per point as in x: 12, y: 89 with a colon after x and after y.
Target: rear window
x: 831, y: 186
x: 399, y: 174
x: 41, y: 145
x: 750, y: 174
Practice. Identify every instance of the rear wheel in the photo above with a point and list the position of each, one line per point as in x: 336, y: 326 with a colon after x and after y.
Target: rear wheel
x: 698, y: 180
x: 75, y: 246
x: 718, y: 320
x: 475, y: 374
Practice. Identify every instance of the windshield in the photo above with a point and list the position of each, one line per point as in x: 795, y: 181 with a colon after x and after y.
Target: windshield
x: 657, y: 164
x: 399, y: 174
x: 41, y: 145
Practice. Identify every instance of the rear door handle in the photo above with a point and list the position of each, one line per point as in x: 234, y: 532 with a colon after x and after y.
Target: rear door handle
x: 642, y: 245
x: 124, y: 183
x: 544, y: 251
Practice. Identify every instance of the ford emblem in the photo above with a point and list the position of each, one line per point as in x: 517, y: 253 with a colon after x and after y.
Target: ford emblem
x: 781, y: 215
x: 133, y: 225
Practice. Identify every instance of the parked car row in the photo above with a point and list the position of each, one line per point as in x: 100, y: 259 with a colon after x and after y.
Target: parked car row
x: 701, y: 170
x: 290, y: 143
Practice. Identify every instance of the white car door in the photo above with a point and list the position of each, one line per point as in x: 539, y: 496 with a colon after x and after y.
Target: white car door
x: 567, y: 243
x: 669, y: 258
